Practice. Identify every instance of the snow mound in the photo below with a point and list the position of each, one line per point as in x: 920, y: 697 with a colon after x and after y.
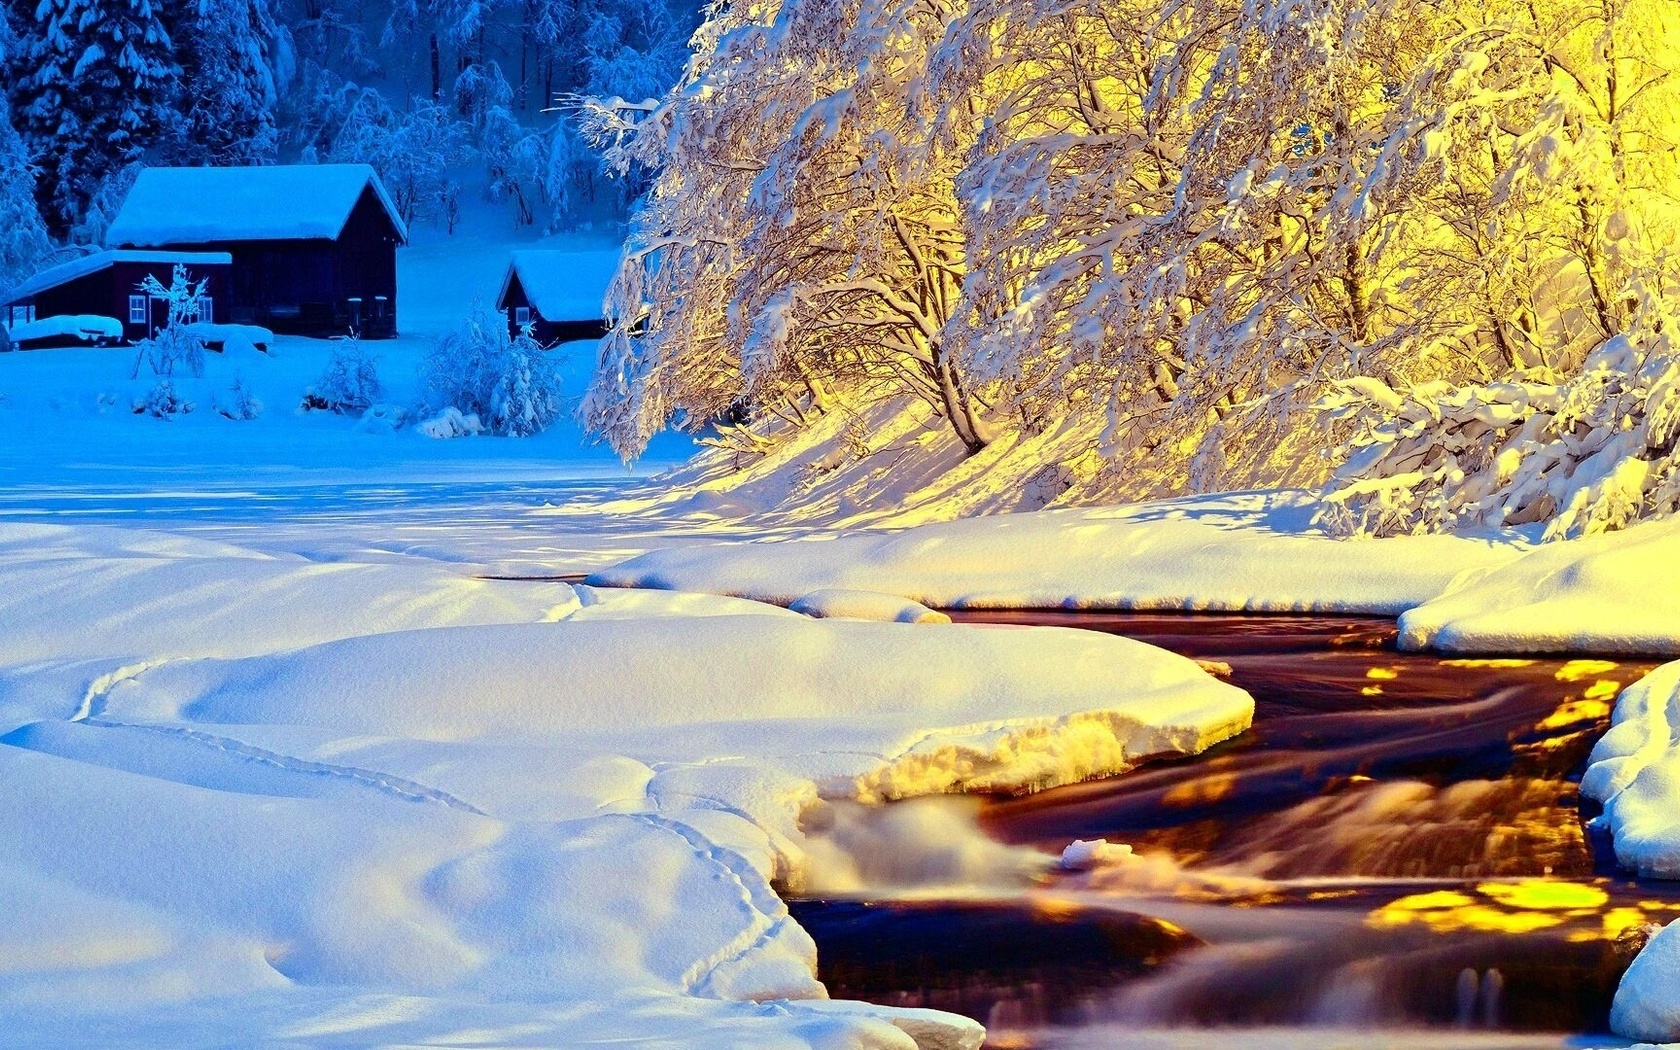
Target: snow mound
x: 1635, y: 772
x: 1610, y: 593
x: 1645, y: 1006
x: 1235, y: 553
x: 865, y: 605
x: 83, y: 327
x: 925, y: 709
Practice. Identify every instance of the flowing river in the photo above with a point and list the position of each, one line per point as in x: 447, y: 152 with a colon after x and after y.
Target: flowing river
x: 1395, y: 855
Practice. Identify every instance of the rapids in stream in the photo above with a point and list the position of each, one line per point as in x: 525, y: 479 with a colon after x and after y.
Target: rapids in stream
x: 1395, y: 855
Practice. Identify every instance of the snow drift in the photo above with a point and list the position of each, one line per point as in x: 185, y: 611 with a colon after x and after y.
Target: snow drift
x: 358, y: 803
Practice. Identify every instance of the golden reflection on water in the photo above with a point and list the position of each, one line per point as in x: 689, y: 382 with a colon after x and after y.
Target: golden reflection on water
x: 1523, y: 906
x: 1581, y: 670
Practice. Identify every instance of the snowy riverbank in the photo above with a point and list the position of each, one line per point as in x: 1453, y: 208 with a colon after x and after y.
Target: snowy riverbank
x: 1242, y: 552
x: 380, y: 800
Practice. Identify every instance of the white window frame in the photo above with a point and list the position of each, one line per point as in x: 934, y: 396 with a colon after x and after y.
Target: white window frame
x: 207, y: 309
x: 522, y: 316
x: 137, y: 312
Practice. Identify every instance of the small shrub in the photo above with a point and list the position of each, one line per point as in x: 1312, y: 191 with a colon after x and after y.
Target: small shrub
x: 162, y: 401
x: 239, y: 402
x: 349, y: 384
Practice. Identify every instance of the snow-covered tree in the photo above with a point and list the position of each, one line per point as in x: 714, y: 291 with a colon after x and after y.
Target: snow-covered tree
x: 801, y: 232
x: 93, y: 87
x: 510, y: 383
x: 1568, y: 111
x: 228, y: 91
x: 176, y: 345
x: 412, y: 150
x: 23, y: 236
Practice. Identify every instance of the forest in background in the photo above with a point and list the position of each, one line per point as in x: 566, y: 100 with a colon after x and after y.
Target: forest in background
x: 442, y: 97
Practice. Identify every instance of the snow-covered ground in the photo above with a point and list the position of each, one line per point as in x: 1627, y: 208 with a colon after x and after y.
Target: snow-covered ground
x: 1254, y: 552
x: 294, y: 752
x: 383, y: 800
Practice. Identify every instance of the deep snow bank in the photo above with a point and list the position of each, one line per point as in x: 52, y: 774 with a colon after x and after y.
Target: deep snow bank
x: 1241, y: 552
x: 1616, y: 592
x: 1253, y: 552
x: 382, y: 802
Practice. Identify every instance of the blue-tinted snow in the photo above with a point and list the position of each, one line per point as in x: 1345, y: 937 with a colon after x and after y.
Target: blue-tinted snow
x: 277, y: 202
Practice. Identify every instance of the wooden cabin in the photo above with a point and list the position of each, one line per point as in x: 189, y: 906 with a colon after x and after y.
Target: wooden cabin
x: 560, y: 295
x: 107, y: 284
x: 314, y: 246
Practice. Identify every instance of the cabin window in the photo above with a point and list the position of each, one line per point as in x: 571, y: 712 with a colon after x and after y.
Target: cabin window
x: 136, y: 309
x: 522, y: 315
x: 206, y: 309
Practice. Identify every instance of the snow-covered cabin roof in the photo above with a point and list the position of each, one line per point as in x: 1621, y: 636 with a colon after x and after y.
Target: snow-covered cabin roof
x: 266, y: 203
x: 64, y: 273
x: 563, y: 286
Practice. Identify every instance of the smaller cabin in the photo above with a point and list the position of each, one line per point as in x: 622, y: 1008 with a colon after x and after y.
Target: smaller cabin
x: 106, y: 284
x: 561, y: 295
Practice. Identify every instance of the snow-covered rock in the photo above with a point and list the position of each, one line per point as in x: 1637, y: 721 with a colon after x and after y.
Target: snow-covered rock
x: 1635, y: 772
x: 1646, y: 1006
x: 232, y: 338
x: 1085, y: 854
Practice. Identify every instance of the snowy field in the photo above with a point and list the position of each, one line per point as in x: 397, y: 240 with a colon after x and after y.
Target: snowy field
x: 291, y: 761
x: 307, y: 744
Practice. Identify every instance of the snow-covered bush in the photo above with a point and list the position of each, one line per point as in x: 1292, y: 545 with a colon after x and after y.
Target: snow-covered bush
x: 382, y: 419
x: 162, y: 401
x: 1588, y: 454
x: 349, y: 383
x: 450, y: 423
x: 512, y: 383
x: 238, y: 402
x: 176, y: 345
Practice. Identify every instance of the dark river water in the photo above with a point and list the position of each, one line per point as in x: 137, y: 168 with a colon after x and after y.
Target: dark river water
x: 1395, y: 855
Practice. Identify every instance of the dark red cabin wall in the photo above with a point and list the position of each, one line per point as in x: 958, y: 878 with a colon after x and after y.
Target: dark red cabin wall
x: 106, y: 292
x: 545, y: 331
x: 304, y: 286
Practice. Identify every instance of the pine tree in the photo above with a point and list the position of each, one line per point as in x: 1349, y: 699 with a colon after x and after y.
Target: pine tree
x: 227, y: 81
x: 94, y: 83
x: 23, y: 237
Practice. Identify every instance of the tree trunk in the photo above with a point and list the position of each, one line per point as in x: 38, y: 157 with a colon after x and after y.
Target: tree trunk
x: 437, y: 71
x: 958, y: 406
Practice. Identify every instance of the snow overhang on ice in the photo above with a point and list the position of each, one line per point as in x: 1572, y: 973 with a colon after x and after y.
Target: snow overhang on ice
x: 64, y: 273
x: 269, y: 203
x: 562, y: 286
